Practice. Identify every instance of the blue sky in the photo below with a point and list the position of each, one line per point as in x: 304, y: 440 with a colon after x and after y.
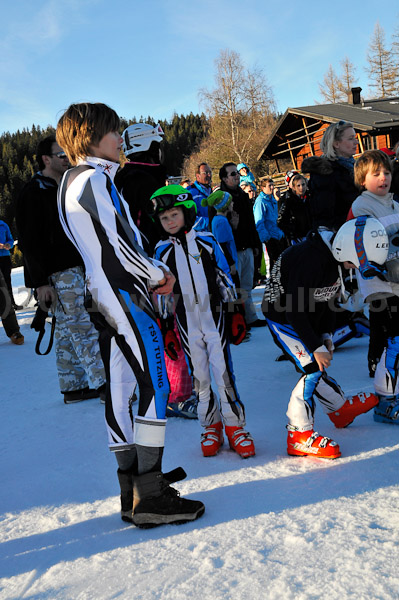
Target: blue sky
x: 151, y: 57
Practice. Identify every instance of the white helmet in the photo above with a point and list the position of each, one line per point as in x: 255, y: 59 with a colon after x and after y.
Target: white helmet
x: 364, y: 242
x: 139, y: 136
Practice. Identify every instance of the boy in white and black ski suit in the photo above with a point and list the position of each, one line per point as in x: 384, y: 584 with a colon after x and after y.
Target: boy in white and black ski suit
x: 297, y: 305
x: 118, y: 274
x: 202, y: 284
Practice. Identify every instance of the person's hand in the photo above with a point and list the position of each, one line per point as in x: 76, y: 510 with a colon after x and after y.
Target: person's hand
x: 233, y: 269
x: 7, y: 246
x: 234, y: 219
x: 323, y: 359
x: 329, y: 345
x: 166, y: 284
x: 46, y: 296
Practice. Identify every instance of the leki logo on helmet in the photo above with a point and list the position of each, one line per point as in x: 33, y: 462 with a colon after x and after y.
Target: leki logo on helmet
x: 182, y: 197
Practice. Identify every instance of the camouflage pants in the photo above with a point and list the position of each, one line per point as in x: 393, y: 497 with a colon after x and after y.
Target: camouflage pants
x: 77, y: 350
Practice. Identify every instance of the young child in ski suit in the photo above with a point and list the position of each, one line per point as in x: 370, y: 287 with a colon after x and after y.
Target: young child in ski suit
x: 198, y: 263
x: 373, y: 175
x: 119, y: 275
x: 296, y: 304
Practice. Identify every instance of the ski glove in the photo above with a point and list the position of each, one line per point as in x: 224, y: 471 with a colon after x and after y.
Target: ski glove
x: 171, y: 343
x: 238, y: 327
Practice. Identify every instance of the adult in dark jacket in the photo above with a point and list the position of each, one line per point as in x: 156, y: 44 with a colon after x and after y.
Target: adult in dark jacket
x: 245, y: 236
x: 331, y: 185
x: 54, y: 267
x: 142, y: 175
x: 298, y: 304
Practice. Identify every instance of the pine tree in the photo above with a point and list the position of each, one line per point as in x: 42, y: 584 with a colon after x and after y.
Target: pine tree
x: 381, y: 69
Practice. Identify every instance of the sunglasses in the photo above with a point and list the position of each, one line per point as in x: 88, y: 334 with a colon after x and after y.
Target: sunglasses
x: 59, y: 154
x: 232, y: 174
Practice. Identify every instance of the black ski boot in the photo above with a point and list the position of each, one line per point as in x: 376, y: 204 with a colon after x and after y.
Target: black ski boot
x: 156, y: 503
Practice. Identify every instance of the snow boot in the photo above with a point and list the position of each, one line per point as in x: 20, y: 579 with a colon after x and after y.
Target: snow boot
x: 353, y: 407
x: 212, y: 439
x: 156, y: 503
x: 17, y: 338
x: 310, y: 443
x: 126, y: 479
x: 240, y: 441
x: 126, y: 484
x: 83, y: 394
x: 387, y: 410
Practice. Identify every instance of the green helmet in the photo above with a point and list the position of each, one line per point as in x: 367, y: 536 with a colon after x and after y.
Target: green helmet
x: 171, y: 196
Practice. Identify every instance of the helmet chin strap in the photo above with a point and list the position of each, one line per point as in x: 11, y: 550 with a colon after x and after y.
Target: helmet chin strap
x: 367, y: 269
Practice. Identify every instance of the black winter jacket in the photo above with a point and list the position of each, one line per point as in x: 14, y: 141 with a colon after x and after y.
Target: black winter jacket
x: 246, y: 235
x: 137, y: 182
x: 332, y: 191
x: 294, y: 216
x: 300, y: 289
x: 41, y: 237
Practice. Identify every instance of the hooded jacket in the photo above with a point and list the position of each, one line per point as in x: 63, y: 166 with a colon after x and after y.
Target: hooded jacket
x: 265, y: 216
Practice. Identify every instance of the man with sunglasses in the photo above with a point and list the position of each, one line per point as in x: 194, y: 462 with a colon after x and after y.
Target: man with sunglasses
x: 245, y: 236
x: 54, y: 267
x: 201, y: 188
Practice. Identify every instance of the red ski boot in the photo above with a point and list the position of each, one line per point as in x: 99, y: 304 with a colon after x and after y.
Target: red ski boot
x: 212, y: 439
x: 310, y: 443
x: 353, y: 407
x: 240, y: 441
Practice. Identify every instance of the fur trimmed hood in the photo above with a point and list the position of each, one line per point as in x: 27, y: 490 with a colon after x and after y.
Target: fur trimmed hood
x: 317, y: 164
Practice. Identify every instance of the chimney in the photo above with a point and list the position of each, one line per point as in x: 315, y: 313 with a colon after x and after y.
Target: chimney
x: 354, y: 95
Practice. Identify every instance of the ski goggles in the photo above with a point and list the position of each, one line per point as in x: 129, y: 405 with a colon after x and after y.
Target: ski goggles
x: 368, y: 269
x: 164, y: 202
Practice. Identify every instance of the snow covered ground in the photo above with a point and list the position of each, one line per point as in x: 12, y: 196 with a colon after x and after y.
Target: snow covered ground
x: 274, y: 527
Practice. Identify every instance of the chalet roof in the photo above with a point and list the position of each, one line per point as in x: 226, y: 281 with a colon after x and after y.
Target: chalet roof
x: 366, y: 116
x: 373, y: 116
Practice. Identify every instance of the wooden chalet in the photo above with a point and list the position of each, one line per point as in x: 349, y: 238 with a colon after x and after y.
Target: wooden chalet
x: 298, y: 133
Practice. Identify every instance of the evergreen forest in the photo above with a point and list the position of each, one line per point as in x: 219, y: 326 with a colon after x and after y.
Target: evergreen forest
x: 183, y: 135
